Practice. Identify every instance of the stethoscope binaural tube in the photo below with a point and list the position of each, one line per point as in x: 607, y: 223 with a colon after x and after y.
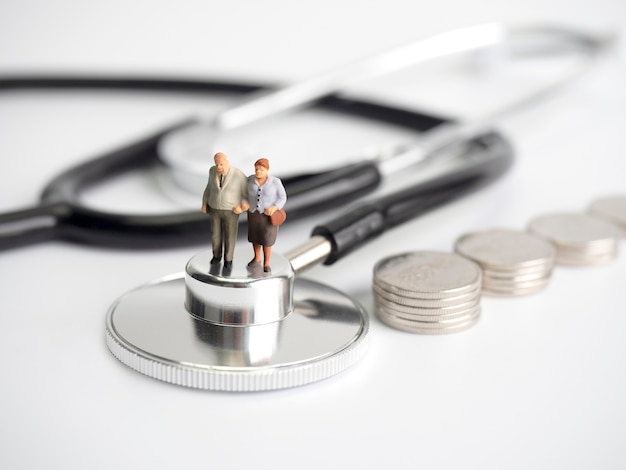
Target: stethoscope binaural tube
x: 60, y: 213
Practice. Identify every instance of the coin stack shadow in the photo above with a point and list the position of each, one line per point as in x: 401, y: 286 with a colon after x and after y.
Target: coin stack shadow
x: 513, y: 262
x: 427, y: 292
x: 580, y: 239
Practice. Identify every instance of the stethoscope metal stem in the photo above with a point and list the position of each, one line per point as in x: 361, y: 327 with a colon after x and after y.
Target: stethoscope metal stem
x: 312, y: 252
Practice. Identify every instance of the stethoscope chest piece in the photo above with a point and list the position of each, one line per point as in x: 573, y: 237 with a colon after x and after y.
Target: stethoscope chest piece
x: 237, y: 329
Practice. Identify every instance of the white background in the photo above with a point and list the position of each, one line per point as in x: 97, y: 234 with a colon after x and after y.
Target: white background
x: 539, y: 382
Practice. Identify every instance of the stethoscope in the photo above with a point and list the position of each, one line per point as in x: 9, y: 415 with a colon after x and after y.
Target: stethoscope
x: 244, y: 330
x: 62, y: 213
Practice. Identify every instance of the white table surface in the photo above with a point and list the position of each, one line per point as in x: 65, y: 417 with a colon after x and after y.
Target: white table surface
x: 539, y: 382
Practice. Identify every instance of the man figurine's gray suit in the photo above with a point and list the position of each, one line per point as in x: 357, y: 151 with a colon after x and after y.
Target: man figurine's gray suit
x: 224, y: 192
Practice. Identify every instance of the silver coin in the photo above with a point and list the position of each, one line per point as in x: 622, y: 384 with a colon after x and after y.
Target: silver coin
x: 430, y: 318
x: 412, y: 327
x: 494, y: 276
x: 581, y: 239
x: 604, y: 247
x: 537, y: 270
x: 433, y: 325
x: 611, y: 208
x: 585, y: 260
x: 428, y: 297
x: 507, y: 284
x: 501, y: 249
x: 513, y: 291
x: 427, y: 274
x: 470, y: 297
x: 432, y: 311
x: 575, y: 230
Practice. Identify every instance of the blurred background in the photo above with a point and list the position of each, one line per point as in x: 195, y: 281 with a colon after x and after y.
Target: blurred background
x: 537, y: 383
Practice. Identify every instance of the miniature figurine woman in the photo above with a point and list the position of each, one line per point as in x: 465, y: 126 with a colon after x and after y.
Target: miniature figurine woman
x: 266, y: 195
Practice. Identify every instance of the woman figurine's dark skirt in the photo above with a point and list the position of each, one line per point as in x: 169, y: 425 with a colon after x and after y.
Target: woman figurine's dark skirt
x: 260, y: 229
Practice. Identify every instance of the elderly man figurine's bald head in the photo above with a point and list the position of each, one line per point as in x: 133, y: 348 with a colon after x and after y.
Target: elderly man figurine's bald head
x: 222, y: 165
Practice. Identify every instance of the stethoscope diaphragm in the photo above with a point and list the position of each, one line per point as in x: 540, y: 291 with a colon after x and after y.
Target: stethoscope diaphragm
x: 238, y: 346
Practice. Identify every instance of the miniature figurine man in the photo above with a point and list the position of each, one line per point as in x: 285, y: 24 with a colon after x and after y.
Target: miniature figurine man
x: 266, y: 194
x: 224, y: 192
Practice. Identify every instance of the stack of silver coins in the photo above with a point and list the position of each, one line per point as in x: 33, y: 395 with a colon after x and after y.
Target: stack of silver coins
x: 612, y: 209
x: 427, y: 292
x: 513, y: 262
x: 580, y: 239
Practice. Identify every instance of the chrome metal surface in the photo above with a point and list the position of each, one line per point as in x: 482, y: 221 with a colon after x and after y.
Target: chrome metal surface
x: 313, y: 251
x: 239, y: 296
x: 150, y: 331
